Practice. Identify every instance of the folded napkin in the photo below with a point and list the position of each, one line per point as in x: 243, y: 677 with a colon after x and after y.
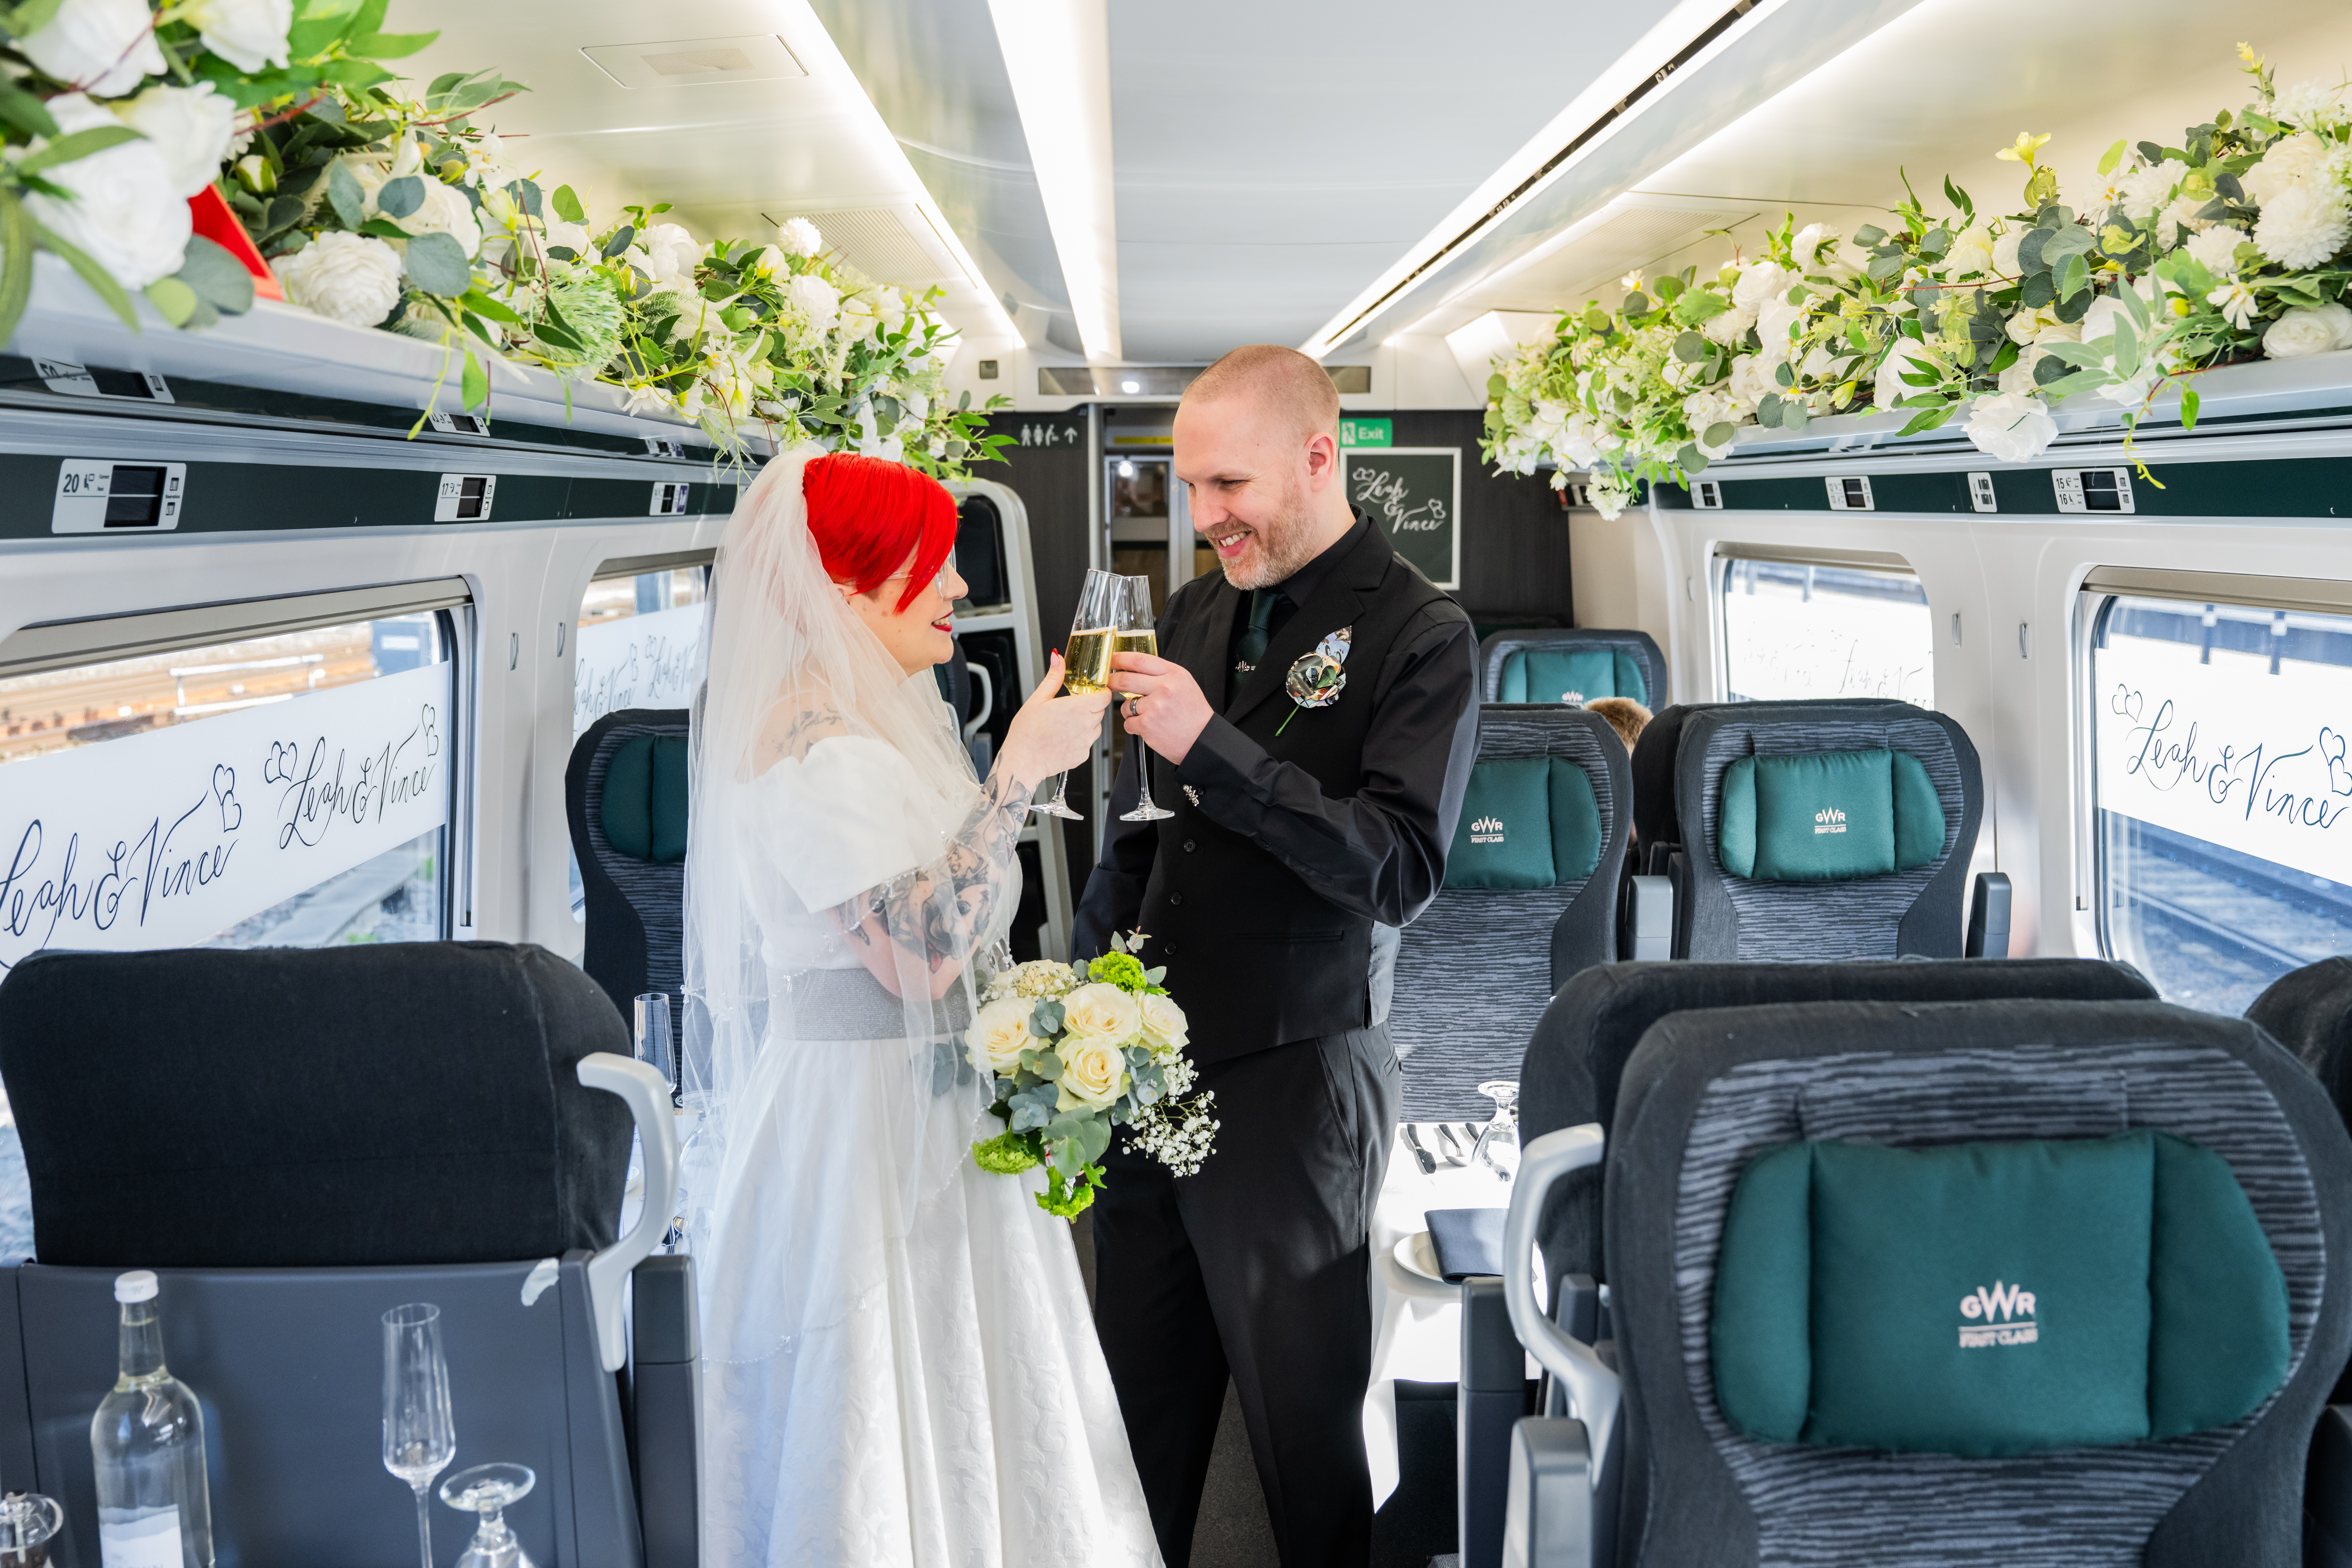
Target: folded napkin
x: 1467, y: 1241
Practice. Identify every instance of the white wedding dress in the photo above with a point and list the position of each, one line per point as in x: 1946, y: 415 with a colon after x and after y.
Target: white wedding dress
x: 900, y: 1364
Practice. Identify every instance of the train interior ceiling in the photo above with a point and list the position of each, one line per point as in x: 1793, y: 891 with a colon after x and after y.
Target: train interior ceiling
x: 326, y: 624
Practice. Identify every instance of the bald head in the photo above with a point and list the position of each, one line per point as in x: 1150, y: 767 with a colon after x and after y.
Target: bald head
x: 1257, y: 450
x: 1292, y: 393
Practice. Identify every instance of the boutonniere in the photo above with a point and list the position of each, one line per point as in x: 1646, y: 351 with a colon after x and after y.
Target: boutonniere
x: 1318, y: 678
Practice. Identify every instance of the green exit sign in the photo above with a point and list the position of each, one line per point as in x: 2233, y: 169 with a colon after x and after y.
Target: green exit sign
x: 1367, y: 433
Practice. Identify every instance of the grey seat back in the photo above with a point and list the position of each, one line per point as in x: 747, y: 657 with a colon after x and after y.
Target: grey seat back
x: 635, y: 935
x: 1706, y: 1093
x: 1917, y: 911
x: 2309, y: 1011
x: 1546, y: 664
x: 1577, y: 1057
x: 1473, y: 973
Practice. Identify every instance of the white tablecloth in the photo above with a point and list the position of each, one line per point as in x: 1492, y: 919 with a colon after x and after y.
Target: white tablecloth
x: 1416, y: 1322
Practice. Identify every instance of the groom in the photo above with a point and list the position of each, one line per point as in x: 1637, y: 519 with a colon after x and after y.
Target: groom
x: 1303, y: 835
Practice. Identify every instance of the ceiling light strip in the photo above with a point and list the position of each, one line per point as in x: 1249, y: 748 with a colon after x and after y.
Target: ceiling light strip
x: 1583, y: 137
x: 1058, y: 59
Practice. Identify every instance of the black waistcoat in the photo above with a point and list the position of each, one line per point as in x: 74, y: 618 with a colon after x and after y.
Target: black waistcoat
x: 1255, y: 957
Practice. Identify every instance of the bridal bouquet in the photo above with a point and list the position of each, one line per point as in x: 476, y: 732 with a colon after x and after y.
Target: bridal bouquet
x: 1076, y: 1050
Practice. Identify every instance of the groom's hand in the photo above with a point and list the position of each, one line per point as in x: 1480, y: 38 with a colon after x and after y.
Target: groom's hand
x: 1168, y: 712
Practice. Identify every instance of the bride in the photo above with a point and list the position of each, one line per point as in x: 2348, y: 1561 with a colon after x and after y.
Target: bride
x: 899, y: 1367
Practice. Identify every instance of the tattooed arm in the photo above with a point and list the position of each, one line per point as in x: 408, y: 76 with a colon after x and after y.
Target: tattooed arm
x: 931, y: 918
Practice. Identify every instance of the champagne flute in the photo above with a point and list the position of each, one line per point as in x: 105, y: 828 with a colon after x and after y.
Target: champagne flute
x: 1087, y: 668
x: 1136, y: 634
x: 420, y: 1437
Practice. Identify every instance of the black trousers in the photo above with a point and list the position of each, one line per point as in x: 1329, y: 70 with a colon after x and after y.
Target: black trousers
x: 1255, y: 1267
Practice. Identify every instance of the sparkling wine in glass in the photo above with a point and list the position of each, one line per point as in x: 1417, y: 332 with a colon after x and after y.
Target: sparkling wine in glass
x: 1134, y: 633
x: 1086, y: 663
x: 420, y: 1437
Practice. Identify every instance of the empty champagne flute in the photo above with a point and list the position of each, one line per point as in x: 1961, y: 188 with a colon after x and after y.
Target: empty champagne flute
x: 486, y: 1490
x: 419, y: 1436
x: 656, y: 1046
x: 1136, y: 634
x: 1086, y: 664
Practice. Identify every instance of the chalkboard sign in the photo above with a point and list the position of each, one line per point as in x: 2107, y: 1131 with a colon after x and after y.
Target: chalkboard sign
x: 1414, y: 493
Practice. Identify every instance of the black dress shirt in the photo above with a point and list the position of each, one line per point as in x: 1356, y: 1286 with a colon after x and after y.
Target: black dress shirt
x: 1377, y: 853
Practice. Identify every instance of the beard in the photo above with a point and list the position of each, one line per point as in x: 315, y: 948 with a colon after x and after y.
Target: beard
x: 1285, y: 543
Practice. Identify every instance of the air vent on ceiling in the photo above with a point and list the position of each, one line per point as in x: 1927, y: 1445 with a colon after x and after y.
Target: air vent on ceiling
x: 877, y: 242
x: 690, y: 62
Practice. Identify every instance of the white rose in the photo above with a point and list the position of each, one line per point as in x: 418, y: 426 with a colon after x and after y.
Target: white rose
x: 1773, y: 322
x: 2140, y: 192
x: 2019, y: 377
x: 1751, y: 378
x: 1094, y: 1072
x: 2004, y: 252
x: 572, y: 236
x: 891, y: 305
x: 999, y: 1033
x: 1729, y: 327
x: 1809, y: 239
x: 2302, y: 226
x: 101, y: 46
x: 1164, y: 1025
x: 125, y: 212
x: 192, y: 127
x: 353, y: 278
x: 670, y: 253
x: 2181, y: 214
x: 2216, y: 249
x: 247, y: 33
x: 800, y: 237
x: 2308, y: 330
x: 444, y: 211
x: 1102, y: 1011
x: 1761, y: 284
x: 1972, y: 253
x: 2012, y: 427
x: 768, y: 259
x: 858, y: 318
x: 816, y: 301
x: 2296, y: 160
x: 1889, y: 389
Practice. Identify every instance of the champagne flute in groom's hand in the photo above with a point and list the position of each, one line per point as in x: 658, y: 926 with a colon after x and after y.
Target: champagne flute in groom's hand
x: 1086, y: 670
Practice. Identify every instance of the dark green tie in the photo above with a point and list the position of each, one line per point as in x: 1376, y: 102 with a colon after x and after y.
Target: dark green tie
x: 1253, y: 638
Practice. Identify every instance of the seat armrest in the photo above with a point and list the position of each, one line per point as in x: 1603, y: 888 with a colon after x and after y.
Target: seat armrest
x: 1548, y: 1514
x: 2327, y: 1491
x: 647, y: 1094
x: 665, y: 1410
x: 1648, y: 920
x: 1578, y: 1307
x: 1989, y: 917
x: 1591, y: 1386
x: 1490, y: 1400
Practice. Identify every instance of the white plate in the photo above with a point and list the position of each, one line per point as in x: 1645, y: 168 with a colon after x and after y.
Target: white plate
x: 1416, y: 1255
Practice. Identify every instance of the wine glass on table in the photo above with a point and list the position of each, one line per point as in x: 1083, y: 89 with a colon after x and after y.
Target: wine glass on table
x: 420, y: 1437
x: 486, y: 1490
x: 1498, y: 1141
x: 1086, y: 665
x: 1136, y: 634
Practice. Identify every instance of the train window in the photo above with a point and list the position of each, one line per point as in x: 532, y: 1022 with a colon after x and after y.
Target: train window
x: 1854, y: 626
x: 639, y: 645
x: 2218, y: 770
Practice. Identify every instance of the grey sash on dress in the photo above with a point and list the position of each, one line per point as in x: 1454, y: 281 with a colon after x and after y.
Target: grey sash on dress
x: 850, y: 1005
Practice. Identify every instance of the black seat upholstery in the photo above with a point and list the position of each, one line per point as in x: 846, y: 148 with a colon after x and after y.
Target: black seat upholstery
x: 1547, y: 664
x: 299, y: 1139
x: 1680, y: 768
x: 635, y: 891
x: 1706, y: 1093
x: 1580, y: 1048
x: 1474, y: 971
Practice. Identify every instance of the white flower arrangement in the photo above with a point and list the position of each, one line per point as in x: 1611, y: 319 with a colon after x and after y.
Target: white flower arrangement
x: 1076, y: 1051
x: 2237, y: 242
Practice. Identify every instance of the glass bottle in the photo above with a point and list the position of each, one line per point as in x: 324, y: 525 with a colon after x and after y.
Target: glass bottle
x: 148, y: 1439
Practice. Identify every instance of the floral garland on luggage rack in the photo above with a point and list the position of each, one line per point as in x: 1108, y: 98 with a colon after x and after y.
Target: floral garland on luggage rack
x: 201, y: 151
x: 2234, y: 244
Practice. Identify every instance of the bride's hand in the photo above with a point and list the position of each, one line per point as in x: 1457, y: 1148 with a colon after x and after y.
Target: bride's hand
x: 1051, y: 734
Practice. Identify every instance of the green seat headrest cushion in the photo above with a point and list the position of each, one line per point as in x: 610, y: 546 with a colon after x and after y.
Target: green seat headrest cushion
x: 1567, y: 673
x: 1527, y: 822
x: 644, y: 813
x: 1828, y: 816
x: 1988, y: 1299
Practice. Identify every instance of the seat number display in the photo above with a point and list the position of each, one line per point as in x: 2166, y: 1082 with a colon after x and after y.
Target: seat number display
x: 103, y: 495
x: 464, y: 498
x: 671, y: 498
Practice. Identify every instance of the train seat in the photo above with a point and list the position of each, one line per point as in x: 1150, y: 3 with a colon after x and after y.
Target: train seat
x: 1529, y: 899
x: 1806, y: 831
x: 298, y: 1141
x: 625, y: 796
x: 2167, y: 1428
x: 1572, y: 664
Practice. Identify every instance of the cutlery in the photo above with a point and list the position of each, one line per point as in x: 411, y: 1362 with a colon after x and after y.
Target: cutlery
x: 1450, y: 1146
x: 1421, y: 1157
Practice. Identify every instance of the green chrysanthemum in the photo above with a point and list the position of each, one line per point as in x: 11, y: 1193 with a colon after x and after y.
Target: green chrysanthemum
x: 585, y: 303
x: 1007, y: 1153
x: 1120, y: 969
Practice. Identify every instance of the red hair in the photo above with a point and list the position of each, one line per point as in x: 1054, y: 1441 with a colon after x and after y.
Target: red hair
x: 868, y: 515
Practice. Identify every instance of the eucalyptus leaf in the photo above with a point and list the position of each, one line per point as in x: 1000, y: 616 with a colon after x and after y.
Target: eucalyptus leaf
x: 343, y: 194
x: 2077, y: 380
x: 399, y: 198
x: 1768, y: 412
x: 1794, y: 416
x: 2072, y: 277
x: 1027, y: 1117
x: 23, y: 111
x: 623, y: 237
x: 1868, y: 234
x: 2073, y: 239
x: 1637, y: 303
x: 567, y: 206
x: 2029, y: 252
x: 436, y: 264
x: 2049, y: 369
x: 2038, y: 289
x: 2227, y: 186
x: 1690, y: 348
x: 1690, y: 459
x: 1718, y: 434
x: 215, y: 277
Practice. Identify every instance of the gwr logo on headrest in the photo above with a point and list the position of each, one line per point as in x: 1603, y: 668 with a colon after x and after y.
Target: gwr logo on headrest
x: 1831, y: 820
x: 2012, y: 1304
x: 1486, y: 830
